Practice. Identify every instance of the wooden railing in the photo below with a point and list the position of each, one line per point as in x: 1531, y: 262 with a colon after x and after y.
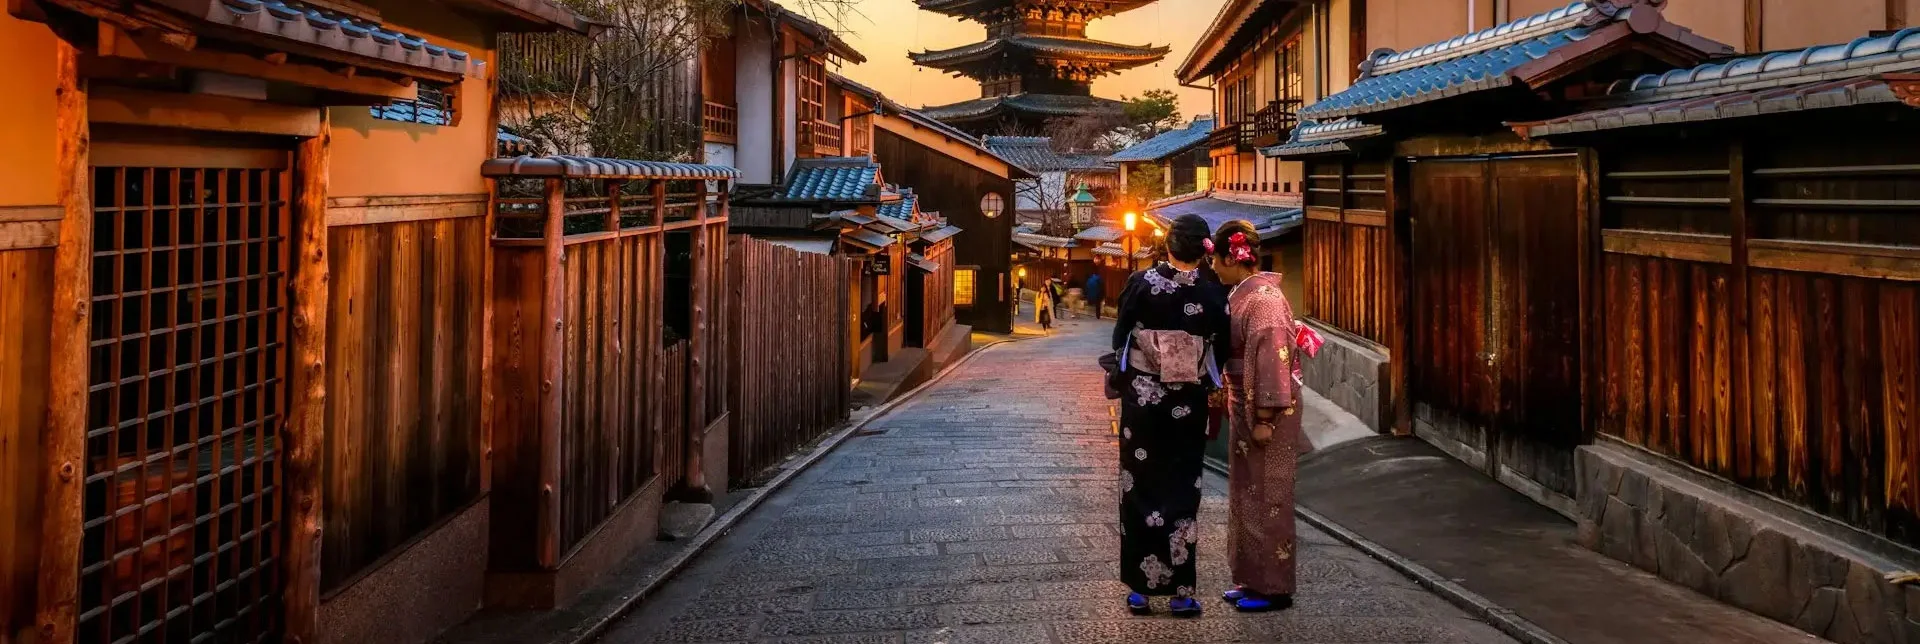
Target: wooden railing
x: 722, y: 123
x: 1274, y: 123
x: 1238, y: 136
x: 823, y: 136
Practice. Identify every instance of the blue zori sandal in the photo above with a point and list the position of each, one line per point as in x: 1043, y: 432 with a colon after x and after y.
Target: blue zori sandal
x: 1234, y: 594
x: 1137, y: 604
x: 1257, y: 603
x: 1184, y: 607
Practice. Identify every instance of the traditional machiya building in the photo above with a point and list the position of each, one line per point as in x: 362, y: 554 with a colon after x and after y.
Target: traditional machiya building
x: 970, y: 185
x: 1037, y: 62
x: 1600, y: 254
x: 1057, y: 177
x: 1176, y: 161
x: 267, y: 232
x: 765, y: 92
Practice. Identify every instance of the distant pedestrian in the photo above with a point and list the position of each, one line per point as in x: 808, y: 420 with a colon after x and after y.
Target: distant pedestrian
x: 1043, y: 309
x: 1057, y: 289
x: 1095, y: 295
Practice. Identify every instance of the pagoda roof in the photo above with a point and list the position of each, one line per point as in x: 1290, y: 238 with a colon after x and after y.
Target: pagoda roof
x: 978, y: 8
x: 1042, y: 105
x: 1117, y: 55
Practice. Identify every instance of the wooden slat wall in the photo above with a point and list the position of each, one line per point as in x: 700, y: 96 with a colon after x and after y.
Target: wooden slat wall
x: 938, y: 292
x: 1809, y: 392
x: 606, y: 438
x: 518, y: 311
x: 403, y: 417
x: 1349, y: 252
x: 26, y: 302
x: 789, y: 350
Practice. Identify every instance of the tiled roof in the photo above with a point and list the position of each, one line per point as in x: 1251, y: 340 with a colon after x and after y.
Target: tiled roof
x: 868, y: 237
x: 1101, y: 234
x: 1036, y: 154
x: 977, y: 8
x: 1034, y: 241
x: 1836, y: 75
x: 596, y: 168
x: 1494, y: 58
x: 813, y: 28
x: 1117, y: 250
x: 920, y: 261
x: 1267, y: 220
x: 942, y: 233
x: 1037, y: 104
x: 1167, y: 143
x: 836, y: 179
x: 313, y: 26
x: 1322, y: 138
x: 886, y: 105
x: 1237, y: 25
x: 903, y: 208
x: 1119, y: 56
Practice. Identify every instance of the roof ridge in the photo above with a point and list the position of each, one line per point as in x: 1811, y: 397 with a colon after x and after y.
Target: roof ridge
x: 1866, y: 54
x: 1387, y: 61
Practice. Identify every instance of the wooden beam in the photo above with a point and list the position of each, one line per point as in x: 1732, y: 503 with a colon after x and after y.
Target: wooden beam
x: 1858, y: 260
x: 304, y: 436
x: 1754, y: 27
x: 1737, y: 292
x: 63, y: 446
x: 552, y: 370
x: 117, y: 43
x: 1691, y: 247
x: 202, y: 112
x: 15, y: 235
x: 355, y: 211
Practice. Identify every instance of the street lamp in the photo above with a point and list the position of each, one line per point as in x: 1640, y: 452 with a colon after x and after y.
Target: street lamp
x: 1080, y: 207
x: 1131, y: 221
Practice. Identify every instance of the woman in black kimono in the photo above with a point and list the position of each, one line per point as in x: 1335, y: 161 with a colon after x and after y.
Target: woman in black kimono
x: 1172, y: 323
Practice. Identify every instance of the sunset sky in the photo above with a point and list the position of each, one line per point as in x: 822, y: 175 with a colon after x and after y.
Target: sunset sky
x: 886, y: 30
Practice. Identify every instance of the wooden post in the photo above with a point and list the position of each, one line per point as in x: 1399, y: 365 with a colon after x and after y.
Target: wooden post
x: 1755, y: 26
x: 1737, y: 301
x: 304, y: 435
x: 614, y: 186
x: 552, y: 364
x: 656, y: 323
x: 694, y: 487
x: 62, y: 475
x: 486, y: 337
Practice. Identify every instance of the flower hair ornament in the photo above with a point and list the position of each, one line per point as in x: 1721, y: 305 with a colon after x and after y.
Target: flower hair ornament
x: 1238, y: 249
x: 1207, y: 244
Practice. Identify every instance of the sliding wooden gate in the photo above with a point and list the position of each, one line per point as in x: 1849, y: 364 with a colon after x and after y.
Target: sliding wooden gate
x: 188, y: 367
x: 1496, y: 295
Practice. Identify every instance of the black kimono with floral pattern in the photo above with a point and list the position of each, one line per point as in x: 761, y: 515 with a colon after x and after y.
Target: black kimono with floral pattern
x: 1163, y: 430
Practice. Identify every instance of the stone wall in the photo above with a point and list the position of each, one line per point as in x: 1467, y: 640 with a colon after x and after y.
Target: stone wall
x: 1743, y: 549
x: 1352, y: 375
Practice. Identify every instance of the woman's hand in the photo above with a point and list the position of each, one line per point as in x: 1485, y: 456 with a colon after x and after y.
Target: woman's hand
x: 1262, y: 432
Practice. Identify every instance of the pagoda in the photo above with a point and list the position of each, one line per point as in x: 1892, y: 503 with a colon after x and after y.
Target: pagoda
x: 1037, y: 62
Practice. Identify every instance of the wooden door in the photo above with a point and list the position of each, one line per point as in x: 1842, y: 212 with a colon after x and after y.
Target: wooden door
x: 1496, y: 310
x: 1534, y: 316
x: 189, y: 372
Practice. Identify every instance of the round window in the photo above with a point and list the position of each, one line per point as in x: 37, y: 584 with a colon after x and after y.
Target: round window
x: 992, y: 205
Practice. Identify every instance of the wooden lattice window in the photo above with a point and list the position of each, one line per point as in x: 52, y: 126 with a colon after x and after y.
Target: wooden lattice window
x: 964, y: 284
x: 1287, y: 66
x: 188, y: 367
x: 813, y: 90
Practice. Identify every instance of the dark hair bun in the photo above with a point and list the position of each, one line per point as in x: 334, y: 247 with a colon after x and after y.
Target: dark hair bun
x: 1187, y: 238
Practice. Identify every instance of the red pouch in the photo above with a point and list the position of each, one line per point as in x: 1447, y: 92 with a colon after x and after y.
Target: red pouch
x: 1308, y: 340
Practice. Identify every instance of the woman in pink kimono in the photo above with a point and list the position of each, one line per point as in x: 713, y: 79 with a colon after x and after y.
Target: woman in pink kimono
x: 1264, y: 417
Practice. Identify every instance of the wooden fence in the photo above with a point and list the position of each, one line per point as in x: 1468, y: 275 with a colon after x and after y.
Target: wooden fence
x: 788, y: 327
x: 1760, y: 304
x: 595, y: 408
x: 1348, y: 245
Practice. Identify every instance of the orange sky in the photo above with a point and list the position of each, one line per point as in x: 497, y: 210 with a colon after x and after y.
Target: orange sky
x: 885, y: 30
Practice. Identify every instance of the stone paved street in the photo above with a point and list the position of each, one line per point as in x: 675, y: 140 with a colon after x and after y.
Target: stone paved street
x: 984, y: 511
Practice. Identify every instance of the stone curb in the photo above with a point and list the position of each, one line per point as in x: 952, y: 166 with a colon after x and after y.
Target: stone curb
x: 1498, y: 616
x: 658, y: 578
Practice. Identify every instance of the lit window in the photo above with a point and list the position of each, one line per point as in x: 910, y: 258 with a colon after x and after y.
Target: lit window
x: 431, y: 107
x: 963, y: 286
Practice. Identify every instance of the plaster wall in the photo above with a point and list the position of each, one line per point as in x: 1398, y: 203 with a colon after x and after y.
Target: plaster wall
x: 754, y: 86
x: 372, y: 157
x: 26, y: 116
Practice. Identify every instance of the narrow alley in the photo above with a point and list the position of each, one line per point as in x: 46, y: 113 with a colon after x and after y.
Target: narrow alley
x: 981, y: 510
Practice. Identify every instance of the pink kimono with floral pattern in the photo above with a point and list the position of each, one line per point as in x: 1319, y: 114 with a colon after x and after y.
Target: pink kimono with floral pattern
x: 1260, y: 530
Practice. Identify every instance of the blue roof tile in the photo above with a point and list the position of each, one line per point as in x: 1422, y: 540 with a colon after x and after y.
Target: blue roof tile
x: 839, y: 179
x: 903, y: 209
x: 1167, y: 143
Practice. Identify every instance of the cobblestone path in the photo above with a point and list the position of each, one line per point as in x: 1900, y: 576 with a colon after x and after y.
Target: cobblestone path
x: 984, y: 511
